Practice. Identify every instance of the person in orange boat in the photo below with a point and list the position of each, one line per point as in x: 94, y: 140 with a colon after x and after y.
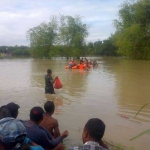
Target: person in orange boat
x: 81, y: 60
x: 86, y: 63
x: 90, y: 63
x: 86, y: 60
x: 71, y: 64
x: 95, y: 64
x: 81, y: 66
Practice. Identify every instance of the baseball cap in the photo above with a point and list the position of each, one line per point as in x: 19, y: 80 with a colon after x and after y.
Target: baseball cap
x: 36, y: 113
x: 12, y: 130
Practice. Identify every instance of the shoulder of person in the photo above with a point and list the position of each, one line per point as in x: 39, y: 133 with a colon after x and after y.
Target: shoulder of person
x: 25, y: 121
x: 43, y: 129
x: 86, y: 147
x: 47, y: 76
x: 55, y: 121
x: 76, y: 148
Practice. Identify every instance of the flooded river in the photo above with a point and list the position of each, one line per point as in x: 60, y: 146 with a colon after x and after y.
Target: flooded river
x: 113, y: 92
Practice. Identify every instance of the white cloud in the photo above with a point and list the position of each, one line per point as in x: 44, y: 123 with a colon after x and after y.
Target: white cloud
x: 19, y: 16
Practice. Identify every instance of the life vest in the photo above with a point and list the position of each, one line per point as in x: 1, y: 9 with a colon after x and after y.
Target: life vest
x: 81, y: 66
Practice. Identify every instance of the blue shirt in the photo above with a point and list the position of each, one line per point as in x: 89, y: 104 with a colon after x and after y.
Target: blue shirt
x: 40, y: 135
x: 28, y: 141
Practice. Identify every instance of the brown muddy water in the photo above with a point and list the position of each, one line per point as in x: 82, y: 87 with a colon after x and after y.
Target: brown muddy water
x: 113, y: 92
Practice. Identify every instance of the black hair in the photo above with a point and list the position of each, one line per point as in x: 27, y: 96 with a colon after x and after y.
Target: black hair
x: 95, y: 128
x: 49, y: 107
x: 14, y: 114
x: 4, y: 112
x: 13, y: 108
x: 49, y: 71
x: 36, y: 114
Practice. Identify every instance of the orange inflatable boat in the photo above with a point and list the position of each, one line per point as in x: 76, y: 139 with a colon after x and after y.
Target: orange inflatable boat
x: 74, y: 67
x: 80, y: 66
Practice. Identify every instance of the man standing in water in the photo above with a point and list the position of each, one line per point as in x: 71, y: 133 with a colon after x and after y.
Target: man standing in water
x: 49, y: 89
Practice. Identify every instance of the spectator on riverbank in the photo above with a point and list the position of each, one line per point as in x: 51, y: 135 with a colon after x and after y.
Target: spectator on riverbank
x: 40, y: 135
x: 5, y: 114
x: 12, y: 135
x: 49, y: 89
x: 48, y: 122
x: 13, y: 108
x: 92, y: 136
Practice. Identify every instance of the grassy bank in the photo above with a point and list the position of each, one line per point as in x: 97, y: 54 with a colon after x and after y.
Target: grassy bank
x: 113, y: 146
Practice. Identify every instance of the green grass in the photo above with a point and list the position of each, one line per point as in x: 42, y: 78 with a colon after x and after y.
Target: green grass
x: 120, y: 147
x: 144, y: 132
x: 114, y: 146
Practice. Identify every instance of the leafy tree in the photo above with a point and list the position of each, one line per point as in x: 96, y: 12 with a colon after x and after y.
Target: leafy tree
x: 64, y: 35
x: 108, y: 47
x: 15, y: 50
x: 98, y: 47
x: 42, y: 38
x: 133, y: 29
x: 72, y: 34
x: 90, y: 48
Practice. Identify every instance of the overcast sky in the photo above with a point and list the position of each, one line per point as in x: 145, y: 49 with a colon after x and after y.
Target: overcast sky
x: 18, y: 16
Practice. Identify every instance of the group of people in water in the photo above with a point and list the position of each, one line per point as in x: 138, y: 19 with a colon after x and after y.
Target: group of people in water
x: 84, y: 64
x: 41, y: 131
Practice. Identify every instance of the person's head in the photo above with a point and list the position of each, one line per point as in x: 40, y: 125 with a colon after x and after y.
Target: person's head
x: 36, y: 114
x: 94, y: 130
x: 49, y: 107
x: 12, y: 133
x: 49, y: 71
x: 4, y: 112
x: 13, y: 108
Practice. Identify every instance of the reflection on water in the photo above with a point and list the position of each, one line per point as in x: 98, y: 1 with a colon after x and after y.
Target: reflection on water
x: 113, y: 92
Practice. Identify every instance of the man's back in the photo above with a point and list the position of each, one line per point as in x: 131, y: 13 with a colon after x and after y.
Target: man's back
x: 40, y: 135
x: 33, y: 131
x: 51, y: 124
x: 47, y: 80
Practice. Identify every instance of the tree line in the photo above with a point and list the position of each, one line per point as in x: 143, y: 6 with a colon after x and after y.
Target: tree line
x: 132, y: 35
x: 66, y: 36
x: 15, y: 50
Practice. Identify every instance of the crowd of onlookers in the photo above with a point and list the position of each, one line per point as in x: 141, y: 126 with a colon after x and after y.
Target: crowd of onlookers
x: 41, y: 131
